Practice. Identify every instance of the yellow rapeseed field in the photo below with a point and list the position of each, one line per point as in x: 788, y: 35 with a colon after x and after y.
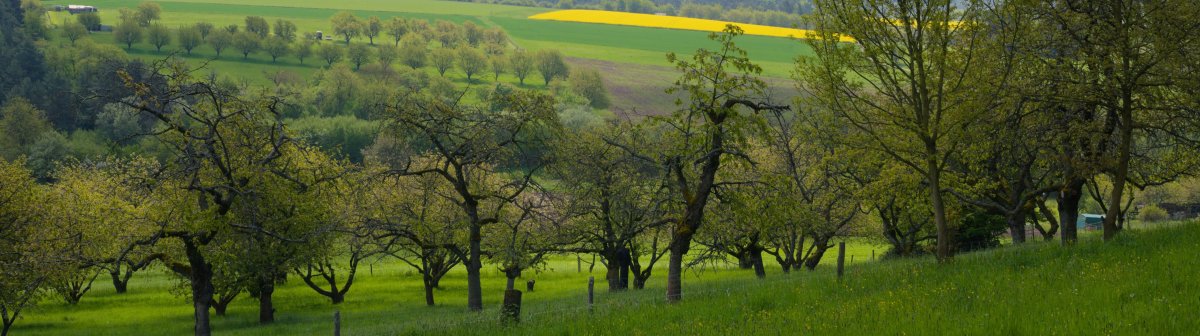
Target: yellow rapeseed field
x: 672, y: 22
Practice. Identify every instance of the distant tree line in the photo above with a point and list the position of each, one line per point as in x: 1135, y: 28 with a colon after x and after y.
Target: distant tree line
x: 780, y: 13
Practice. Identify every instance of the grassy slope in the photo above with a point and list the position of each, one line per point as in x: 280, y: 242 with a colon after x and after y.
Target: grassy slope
x: 1142, y: 284
x: 385, y: 299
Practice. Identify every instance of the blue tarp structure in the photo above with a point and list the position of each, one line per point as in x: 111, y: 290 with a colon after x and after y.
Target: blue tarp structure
x: 1090, y: 221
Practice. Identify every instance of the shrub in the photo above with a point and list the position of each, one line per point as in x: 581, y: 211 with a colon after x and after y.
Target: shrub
x: 1152, y: 213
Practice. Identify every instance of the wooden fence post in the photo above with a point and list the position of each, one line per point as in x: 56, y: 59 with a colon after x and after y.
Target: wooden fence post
x: 337, y: 323
x: 591, y: 292
x: 841, y: 266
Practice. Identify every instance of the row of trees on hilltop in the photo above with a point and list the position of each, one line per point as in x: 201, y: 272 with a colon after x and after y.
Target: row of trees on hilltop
x: 941, y: 127
x: 785, y: 13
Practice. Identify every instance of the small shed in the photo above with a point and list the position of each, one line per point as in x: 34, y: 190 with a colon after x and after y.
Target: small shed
x: 1090, y: 221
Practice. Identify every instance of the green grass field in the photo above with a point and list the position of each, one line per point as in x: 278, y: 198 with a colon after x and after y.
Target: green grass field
x: 387, y: 298
x: 1142, y: 283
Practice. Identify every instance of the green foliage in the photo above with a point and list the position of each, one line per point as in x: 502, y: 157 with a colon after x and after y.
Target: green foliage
x: 979, y: 230
x: 276, y: 48
x: 443, y: 59
x: 219, y: 40
x: 1152, y: 213
x: 447, y: 33
x: 331, y: 53
x: 387, y: 55
x: 158, y: 36
x: 258, y: 25
x: 189, y: 38
x: 442, y: 88
x: 338, y: 91
x: 345, y: 136
x: 247, y: 43
x: 204, y: 28
x: 285, y: 29
x: 346, y: 24
x: 120, y: 124
x: 21, y: 125
x: 414, y: 52
x: 26, y: 242
x: 303, y: 50
x: 74, y: 31
x: 359, y: 54
x: 587, y: 83
x: 127, y: 32
x: 91, y: 21
x: 35, y: 23
x: 397, y: 28
x: 521, y: 63
x: 45, y: 154
x: 471, y: 62
x: 550, y: 64
x: 499, y: 65
x: 147, y: 12
x: 372, y: 28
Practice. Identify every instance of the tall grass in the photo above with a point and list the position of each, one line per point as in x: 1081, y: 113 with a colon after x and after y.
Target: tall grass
x: 1143, y: 283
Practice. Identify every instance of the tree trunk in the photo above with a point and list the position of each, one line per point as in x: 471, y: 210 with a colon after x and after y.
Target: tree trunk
x: 815, y: 257
x: 429, y: 285
x: 1053, y: 222
x: 7, y: 324
x: 611, y: 275
x: 1016, y: 226
x: 202, y: 287
x: 1068, y: 210
x: 675, y: 273
x: 221, y: 302
x: 118, y: 284
x: 266, y: 308
x: 474, y: 289
x: 639, y: 282
x: 1111, y: 226
x: 220, y: 309
x: 757, y: 261
x: 745, y: 260
x: 939, y: 208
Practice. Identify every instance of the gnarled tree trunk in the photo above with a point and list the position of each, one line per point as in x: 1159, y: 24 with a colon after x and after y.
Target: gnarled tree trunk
x: 1068, y: 209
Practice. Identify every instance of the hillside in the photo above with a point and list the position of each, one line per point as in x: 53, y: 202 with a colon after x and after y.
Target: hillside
x: 1141, y: 284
